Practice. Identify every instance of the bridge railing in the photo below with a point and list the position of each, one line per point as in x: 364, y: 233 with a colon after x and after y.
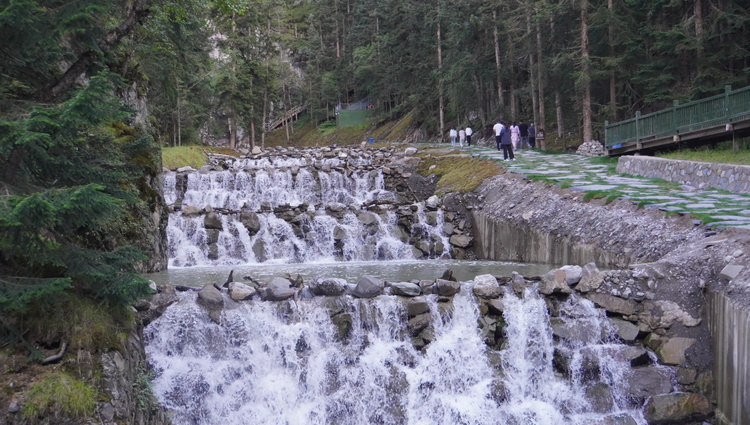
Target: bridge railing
x: 725, y: 108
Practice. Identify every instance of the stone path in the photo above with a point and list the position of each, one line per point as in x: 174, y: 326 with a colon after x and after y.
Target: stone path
x: 718, y: 208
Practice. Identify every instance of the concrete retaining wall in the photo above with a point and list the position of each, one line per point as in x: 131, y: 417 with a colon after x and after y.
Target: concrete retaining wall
x: 734, y: 178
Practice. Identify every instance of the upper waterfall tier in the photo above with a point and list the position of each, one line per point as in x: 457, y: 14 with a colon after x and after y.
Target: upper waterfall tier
x: 303, y: 206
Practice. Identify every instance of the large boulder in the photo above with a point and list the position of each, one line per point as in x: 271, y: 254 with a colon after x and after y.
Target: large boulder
x: 644, y: 382
x: 573, y: 274
x: 212, y: 221
x: 240, y: 292
x: 447, y: 288
x: 591, y: 278
x: 461, y: 241
x: 625, y: 330
x: 417, y: 306
x: 368, y: 287
x: 406, y: 289
x: 486, y: 286
x: 661, y: 314
x: 677, y: 408
x: 554, y: 281
x: 327, y: 286
x: 279, y: 289
x: 251, y: 221
x: 672, y: 351
x: 212, y: 300
x: 612, y: 303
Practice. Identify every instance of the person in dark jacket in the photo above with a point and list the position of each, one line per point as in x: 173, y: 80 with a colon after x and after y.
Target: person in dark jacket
x: 506, y: 144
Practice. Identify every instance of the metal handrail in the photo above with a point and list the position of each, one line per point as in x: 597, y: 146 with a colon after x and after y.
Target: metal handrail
x: 722, y: 109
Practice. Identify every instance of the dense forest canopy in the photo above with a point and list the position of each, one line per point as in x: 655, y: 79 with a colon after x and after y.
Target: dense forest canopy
x: 89, y: 89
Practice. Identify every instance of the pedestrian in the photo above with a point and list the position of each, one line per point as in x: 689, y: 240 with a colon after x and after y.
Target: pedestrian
x: 469, y: 132
x: 532, y: 136
x: 461, y: 137
x: 507, y: 145
x: 524, y: 130
x: 498, y: 128
x: 515, y: 135
x: 453, y: 133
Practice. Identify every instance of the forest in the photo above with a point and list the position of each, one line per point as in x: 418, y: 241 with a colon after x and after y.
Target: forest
x: 91, y: 89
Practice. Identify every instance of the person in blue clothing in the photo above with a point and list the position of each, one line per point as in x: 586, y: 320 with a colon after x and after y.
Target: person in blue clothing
x: 506, y: 144
x: 532, y: 136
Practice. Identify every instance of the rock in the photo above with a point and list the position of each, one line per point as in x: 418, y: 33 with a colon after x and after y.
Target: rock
x: 644, y: 382
x: 417, y: 306
x: 591, y: 278
x: 433, y: 202
x: 212, y: 221
x: 418, y: 323
x: 251, y: 221
x: 190, y: 211
x: 677, y: 408
x: 279, y: 289
x: 406, y: 289
x: 461, y: 241
x: 730, y: 271
x: 256, y: 150
x: 612, y: 303
x: 447, y: 288
x: 327, y: 286
x: 662, y: 314
x: 617, y: 419
x: 343, y: 323
x: 486, y: 286
x: 368, y: 287
x: 573, y: 274
x: 210, y: 297
x: 600, y: 397
x: 554, y: 281
x: 410, y: 151
x: 625, y: 330
x: 496, y: 306
x: 367, y: 218
x: 14, y: 407
x: 591, y: 148
x: 240, y: 292
x: 686, y: 375
x: 673, y: 350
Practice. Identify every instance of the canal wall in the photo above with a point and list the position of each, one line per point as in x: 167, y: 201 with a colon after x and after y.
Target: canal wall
x: 702, y: 272
x: 701, y: 175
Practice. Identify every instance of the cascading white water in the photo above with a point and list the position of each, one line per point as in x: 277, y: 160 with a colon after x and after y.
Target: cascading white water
x: 285, y: 363
x: 253, y: 186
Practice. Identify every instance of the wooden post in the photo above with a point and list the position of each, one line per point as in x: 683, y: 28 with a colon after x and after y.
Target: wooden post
x: 606, y: 133
x: 637, y: 131
x: 675, y: 103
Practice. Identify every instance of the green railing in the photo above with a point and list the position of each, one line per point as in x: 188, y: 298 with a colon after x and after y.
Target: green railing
x: 722, y: 109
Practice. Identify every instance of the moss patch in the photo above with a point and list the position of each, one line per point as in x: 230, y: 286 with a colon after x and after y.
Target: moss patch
x: 59, y: 394
x: 458, y: 173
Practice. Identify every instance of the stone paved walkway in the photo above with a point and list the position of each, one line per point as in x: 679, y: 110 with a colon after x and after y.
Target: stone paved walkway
x: 717, y: 207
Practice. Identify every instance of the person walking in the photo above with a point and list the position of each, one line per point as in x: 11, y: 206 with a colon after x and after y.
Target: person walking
x: 469, y: 132
x: 515, y: 135
x: 505, y: 142
x: 532, y: 136
x: 498, y: 128
x: 524, y: 130
x: 453, y: 133
x: 461, y: 137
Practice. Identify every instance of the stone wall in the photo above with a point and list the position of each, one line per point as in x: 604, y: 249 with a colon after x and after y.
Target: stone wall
x: 701, y: 175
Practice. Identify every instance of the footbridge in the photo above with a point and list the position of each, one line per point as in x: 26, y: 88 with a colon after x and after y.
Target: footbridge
x: 291, y: 114
x: 718, y: 118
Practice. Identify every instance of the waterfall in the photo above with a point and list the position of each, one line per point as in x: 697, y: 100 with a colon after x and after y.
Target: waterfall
x: 291, y: 363
x: 280, y: 210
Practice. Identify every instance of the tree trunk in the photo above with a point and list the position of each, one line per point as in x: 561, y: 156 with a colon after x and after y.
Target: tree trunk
x: 512, y: 84
x: 559, y: 112
x: 532, y: 79
x: 541, y: 123
x: 699, y: 33
x: 585, y: 74
x: 440, y: 76
x: 498, y: 68
x: 612, y: 77
x: 136, y: 14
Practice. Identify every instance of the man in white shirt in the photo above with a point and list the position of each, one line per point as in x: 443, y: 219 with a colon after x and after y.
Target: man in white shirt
x: 497, y: 128
x: 469, y: 132
x: 453, y: 134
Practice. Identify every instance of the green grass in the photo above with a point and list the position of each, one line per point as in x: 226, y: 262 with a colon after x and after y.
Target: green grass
x: 59, y: 394
x: 607, y: 195
x: 181, y: 156
x: 721, y: 154
x: 458, y: 173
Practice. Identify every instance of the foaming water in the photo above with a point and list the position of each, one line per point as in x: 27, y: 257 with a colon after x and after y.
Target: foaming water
x: 287, y: 363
